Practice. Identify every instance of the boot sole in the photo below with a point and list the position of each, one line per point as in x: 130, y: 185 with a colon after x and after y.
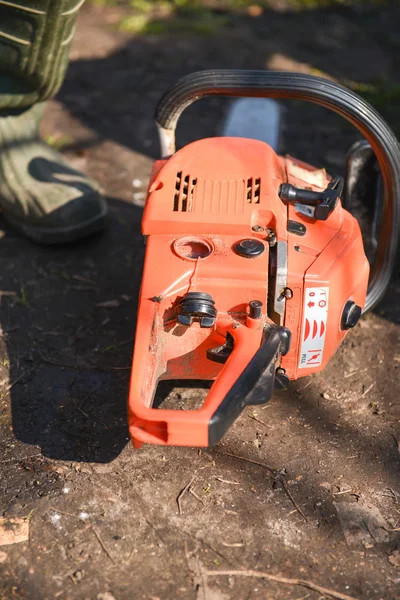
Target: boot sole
x: 51, y: 236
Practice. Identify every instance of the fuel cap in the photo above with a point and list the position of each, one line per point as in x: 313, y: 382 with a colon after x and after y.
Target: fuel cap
x: 249, y: 248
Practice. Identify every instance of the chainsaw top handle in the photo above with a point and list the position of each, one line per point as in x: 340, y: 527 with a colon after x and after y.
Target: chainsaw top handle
x: 326, y: 93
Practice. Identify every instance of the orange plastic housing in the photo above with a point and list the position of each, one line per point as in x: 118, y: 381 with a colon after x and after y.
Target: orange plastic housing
x: 201, y: 202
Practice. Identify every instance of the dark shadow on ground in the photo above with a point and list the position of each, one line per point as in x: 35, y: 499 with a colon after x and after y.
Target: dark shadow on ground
x: 71, y: 354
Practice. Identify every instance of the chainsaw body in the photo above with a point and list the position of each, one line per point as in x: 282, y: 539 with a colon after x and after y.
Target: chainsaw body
x: 253, y: 274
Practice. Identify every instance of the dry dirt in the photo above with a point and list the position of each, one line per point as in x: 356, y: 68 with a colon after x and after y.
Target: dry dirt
x: 104, y: 519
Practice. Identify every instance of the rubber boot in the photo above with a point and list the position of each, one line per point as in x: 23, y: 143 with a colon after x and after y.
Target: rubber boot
x: 40, y: 194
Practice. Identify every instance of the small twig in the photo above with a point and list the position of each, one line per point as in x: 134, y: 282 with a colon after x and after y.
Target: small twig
x: 182, y: 493
x: 63, y: 512
x: 289, y: 495
x: 306, y: 386
x: 79, y: 408
x: 342, y: 492
x: 249, y: 460
x: 196, y: 496
x: 11, y: 385
x: 84, y: 280
x: 279, y: 579
x: 226, y: 481
x: 278, y: 475
x: 206, y: 544
x: 102, y: 544
x: 392, y: 492
x: 233, y: 545
x: 260, y: 421
x: 368, y: 390
x: 87, y: 397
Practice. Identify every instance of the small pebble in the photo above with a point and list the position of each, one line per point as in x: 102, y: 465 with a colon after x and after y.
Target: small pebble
x: 139, y: 198
x: 325, y: 396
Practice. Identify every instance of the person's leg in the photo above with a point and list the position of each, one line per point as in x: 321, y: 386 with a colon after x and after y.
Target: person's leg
x: 40, y: 194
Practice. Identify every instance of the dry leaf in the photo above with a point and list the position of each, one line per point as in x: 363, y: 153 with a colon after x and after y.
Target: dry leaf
x: 13, y: 531
x: 255, y: 10
x: 394, y: 558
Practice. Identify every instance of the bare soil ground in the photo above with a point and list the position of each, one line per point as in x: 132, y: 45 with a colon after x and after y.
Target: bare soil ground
x: 104, y: 519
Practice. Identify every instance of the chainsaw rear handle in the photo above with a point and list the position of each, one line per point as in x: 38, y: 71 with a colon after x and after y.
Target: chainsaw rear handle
x: 247, y: 378
x: 272, y: 84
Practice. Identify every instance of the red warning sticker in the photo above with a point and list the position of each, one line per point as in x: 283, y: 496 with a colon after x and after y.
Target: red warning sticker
x: 314, y: 327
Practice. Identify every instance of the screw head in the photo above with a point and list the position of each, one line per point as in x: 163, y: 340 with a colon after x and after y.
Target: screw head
x: 287, y: 292
x: 258, y: 228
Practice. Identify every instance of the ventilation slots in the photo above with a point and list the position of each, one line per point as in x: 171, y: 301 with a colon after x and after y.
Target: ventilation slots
x: 184, y: 188
x: 253, y: 190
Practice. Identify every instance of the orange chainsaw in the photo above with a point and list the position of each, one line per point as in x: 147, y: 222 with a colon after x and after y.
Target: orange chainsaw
x: 254, y: 271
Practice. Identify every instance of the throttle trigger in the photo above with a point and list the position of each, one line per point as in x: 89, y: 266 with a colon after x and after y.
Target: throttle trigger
x: 220, y: 354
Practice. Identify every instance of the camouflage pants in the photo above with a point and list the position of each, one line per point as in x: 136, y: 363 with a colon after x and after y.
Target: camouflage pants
x: 35, y: 38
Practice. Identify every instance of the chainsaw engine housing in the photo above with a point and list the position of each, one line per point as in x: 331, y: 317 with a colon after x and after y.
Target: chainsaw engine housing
x: 240, y: 283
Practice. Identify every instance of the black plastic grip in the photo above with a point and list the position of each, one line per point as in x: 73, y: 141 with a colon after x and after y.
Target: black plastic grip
x: 320, y: 91
x: 254, y: 385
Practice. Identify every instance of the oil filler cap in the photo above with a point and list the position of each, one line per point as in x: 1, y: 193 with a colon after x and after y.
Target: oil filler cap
x: 249, y: 248
x: 351, y: 315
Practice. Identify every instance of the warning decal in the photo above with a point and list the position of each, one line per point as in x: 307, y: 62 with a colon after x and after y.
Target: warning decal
x: 314, y: 327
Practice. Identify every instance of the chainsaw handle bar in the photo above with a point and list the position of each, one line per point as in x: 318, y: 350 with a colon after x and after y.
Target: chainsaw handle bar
x: 273, y: 84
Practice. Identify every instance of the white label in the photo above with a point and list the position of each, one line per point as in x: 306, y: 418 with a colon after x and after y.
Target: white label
x: 314, y: 327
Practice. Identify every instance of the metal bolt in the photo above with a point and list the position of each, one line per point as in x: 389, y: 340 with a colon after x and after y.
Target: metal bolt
x: 281, y: 379
x: 271, y: 237
x: 287, y: 293
x: 257, y: 228
x: 255, y: 309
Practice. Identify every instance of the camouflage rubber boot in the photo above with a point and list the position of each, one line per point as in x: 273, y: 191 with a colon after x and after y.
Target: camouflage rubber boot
x: 40, y: 194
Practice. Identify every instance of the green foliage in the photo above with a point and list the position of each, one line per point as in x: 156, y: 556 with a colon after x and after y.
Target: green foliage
x: 379, y: 93
x: 159, y: 17
x: 382, y: 95
x: 310, y: 4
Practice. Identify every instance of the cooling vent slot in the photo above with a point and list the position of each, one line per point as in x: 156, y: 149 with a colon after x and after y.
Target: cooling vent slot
x: 253, y: 191
x: 184, y: 189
